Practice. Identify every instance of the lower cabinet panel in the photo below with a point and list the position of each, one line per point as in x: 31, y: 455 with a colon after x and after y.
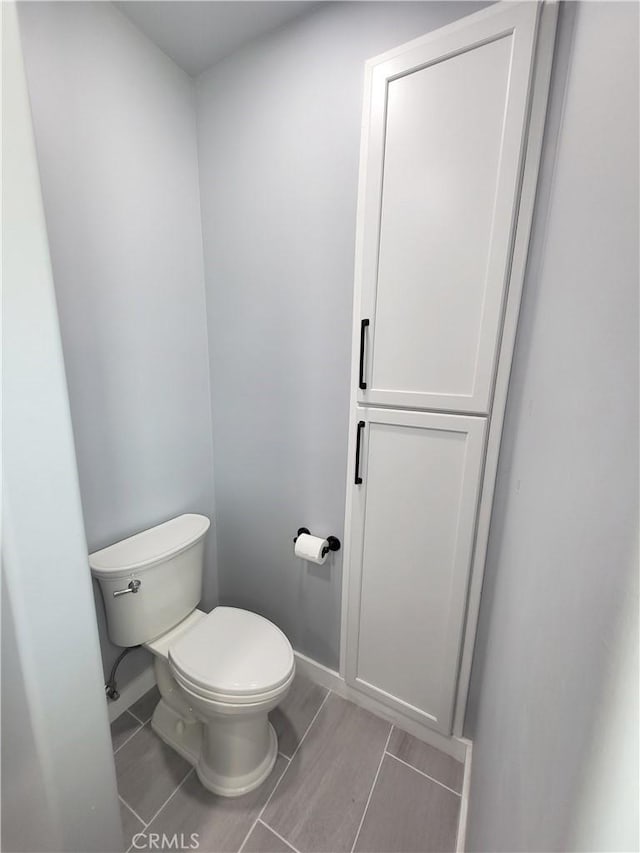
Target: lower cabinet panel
x: 412, y: 529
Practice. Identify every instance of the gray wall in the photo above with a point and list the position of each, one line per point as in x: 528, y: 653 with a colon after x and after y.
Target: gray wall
x: 279, y: 136
x: 115, y: 131
x: 58, y: 778
x: 563, y: 548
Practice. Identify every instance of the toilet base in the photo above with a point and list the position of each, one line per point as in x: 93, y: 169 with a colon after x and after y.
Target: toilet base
x: 203, y: 745
x: 236, y: 786
x: 185, y: 738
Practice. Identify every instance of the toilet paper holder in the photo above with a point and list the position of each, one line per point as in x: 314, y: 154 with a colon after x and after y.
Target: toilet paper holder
x: 333, y: 543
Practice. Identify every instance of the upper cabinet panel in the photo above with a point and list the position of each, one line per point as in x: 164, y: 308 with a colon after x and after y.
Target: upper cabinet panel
x: 446, y: 129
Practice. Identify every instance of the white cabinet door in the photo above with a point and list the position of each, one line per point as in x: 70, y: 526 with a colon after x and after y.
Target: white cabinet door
x: 412, y: 530
x: 445, y: 131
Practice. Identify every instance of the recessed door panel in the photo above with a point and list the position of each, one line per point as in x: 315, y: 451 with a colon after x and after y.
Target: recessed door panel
x: 414, y: 524
x: 446, y: 140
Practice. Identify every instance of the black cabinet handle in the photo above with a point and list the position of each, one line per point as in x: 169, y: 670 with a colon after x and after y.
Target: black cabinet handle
x: 358, y: 478
x: 361, y: 382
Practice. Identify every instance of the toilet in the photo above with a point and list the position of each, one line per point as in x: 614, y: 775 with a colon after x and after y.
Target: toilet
x: 219, y: 673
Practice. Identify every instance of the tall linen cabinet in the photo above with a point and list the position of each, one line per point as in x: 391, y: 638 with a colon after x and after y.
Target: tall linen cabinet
x: 451, y: 139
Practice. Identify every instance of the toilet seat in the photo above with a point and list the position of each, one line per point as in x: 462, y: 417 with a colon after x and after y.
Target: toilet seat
x: 232, y: 656
x: 227, y: 702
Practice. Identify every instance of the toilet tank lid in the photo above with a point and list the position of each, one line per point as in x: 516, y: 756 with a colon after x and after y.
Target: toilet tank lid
x: 149, y: 547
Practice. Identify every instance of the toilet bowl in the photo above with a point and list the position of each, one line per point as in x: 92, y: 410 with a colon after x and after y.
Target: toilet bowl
x: 227, y: 669
x: 219, y: 673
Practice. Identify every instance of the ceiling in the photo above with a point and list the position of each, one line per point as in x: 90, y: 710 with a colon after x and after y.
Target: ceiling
x: 197, y: 34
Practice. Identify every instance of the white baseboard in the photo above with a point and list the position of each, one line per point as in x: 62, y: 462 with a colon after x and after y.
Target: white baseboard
x: 131, y: 692
x: 464, y: 804
x: 454, y: 746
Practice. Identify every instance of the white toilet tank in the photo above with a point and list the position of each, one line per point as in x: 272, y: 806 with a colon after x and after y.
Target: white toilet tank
x: 152, y: 580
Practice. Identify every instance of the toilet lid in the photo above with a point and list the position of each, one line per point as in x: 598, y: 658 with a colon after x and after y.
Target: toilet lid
x: 235, y: 652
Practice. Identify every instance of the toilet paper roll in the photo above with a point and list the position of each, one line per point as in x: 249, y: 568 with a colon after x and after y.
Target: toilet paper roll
x: 310, y: 548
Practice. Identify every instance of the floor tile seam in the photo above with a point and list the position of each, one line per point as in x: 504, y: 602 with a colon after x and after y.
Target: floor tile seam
x: 306, y: 731
x: 172, y: 794
x: 373, y: 785
x: 277, y: 834
x: 138, y: 728
x: 132, y: 810
x: 135, y: 717
x: 422, y: 773
x: 260, y: 813
x: 122, y: 714
x: 284, y: 772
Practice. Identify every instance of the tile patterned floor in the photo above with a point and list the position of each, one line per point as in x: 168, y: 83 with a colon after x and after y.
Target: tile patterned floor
x: 345, y: 780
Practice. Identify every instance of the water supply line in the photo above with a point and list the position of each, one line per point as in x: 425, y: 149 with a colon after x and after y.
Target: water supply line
x: 111, y: 688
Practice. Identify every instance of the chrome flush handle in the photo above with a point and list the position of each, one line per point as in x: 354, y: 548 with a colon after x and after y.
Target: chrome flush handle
x: 134, y: 586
